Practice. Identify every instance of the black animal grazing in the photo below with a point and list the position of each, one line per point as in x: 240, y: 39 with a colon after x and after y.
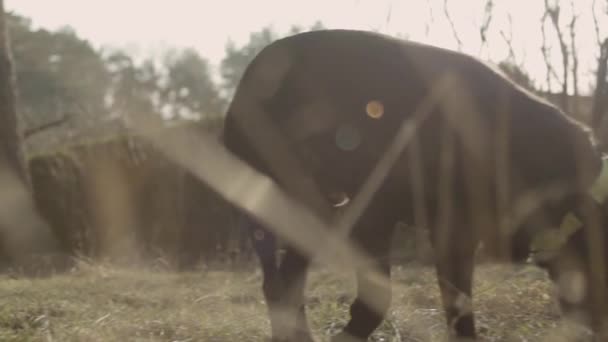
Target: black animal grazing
x: 489, y: 162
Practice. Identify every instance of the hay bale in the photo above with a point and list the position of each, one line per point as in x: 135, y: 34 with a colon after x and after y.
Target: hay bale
x: 122, y: 198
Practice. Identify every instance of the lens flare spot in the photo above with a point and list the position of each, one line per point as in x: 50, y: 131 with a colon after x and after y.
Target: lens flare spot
x: 348, y: 137
x: 374, y: 109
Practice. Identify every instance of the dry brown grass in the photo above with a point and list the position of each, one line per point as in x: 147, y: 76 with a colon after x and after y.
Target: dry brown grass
x: 105, y: 303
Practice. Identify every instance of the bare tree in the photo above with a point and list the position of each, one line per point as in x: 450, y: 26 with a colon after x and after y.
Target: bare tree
x: 10, y: 141
x: 596, y: 23
x: 551, y: 74
x: 600, y: 97
x: 599, y: 110
x: 22, y: 231
x: 552, y: 12
x: 572, y: 30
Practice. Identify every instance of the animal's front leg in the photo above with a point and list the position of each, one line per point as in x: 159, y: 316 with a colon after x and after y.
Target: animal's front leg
x: 283, y: 287
x: 373, y: 287
x: 265, y: 246
x: 371, y: 305
x: 293, y: 271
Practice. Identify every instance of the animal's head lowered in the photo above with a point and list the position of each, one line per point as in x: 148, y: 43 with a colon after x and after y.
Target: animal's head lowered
x: 338, y: 145
x: 576, y: 257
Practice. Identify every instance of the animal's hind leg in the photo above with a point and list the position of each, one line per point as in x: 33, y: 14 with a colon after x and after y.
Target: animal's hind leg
x: 454, y: 265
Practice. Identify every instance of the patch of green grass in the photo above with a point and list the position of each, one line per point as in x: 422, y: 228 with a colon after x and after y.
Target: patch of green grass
x: 102, y: 303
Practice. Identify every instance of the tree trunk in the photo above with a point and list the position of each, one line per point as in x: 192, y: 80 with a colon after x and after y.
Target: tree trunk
x: 10, y: 141
x: 22, y: 231
x: 600, y: 99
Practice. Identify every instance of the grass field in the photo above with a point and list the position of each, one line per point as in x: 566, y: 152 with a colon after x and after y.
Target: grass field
x: 107, y: 303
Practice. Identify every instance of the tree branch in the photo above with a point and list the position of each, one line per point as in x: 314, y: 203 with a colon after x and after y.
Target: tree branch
x: 545, y: 49
x: 509, y: 39
x: 452, y: 25
x: 31, y: 131
x: 553, y: 13
x: 427, y: 28
x: 485, y: 25
x: 600, y: 97
x: 573, y: 49
x: 596, y: 24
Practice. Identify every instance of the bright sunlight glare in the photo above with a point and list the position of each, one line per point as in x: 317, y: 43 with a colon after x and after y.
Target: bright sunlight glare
x: 145, y: 27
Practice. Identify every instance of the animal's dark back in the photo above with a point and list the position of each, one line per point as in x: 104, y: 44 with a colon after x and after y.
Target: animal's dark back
x: 346, y: 69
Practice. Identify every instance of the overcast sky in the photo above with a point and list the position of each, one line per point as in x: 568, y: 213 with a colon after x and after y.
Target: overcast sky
x: 148, y: 26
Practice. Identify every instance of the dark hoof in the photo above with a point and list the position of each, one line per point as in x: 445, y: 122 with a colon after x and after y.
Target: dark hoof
x: 303, y: 338
x: 462, y: 339
x: 344, y: 337
x: 297, y: 338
